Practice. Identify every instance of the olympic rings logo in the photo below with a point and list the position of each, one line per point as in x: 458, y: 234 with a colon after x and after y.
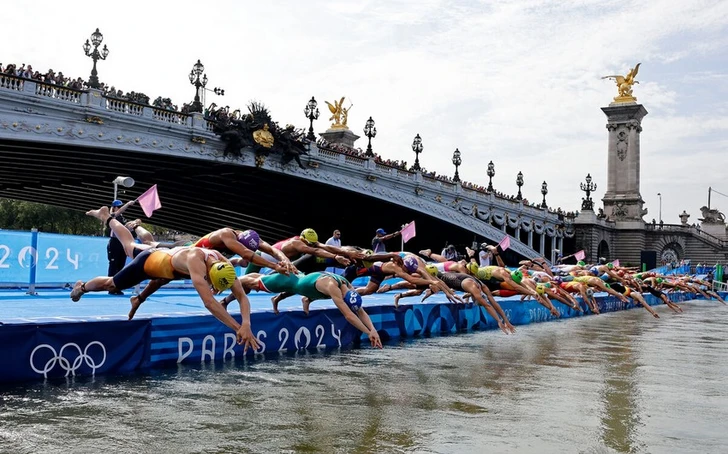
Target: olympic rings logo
x: 70, y: 366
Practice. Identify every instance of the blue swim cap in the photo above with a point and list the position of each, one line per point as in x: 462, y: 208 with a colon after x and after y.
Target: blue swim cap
x: 594, y: 270
x: 353, y: 300
x: 605, y: 277
x: 410, y: 264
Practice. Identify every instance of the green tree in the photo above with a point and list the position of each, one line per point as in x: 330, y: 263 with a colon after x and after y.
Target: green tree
x: 20, y: 215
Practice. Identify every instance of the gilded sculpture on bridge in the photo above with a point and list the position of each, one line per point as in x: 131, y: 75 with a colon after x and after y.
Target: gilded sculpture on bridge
x: 340, y: 115
x: 624, y: 85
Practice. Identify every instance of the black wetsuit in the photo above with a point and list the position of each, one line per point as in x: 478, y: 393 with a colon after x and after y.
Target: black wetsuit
x: 455, y: 280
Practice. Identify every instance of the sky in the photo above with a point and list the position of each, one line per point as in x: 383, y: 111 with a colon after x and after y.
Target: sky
x: 515, y: 82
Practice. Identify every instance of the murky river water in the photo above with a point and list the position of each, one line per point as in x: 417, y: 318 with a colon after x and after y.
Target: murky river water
x: 620, y: 382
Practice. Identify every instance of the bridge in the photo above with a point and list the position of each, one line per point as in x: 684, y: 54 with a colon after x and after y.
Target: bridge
x: 64, y: 147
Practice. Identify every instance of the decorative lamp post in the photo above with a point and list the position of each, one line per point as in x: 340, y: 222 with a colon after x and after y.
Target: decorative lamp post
x: 587, y: 203
x: 370, y: 131
x: 491, y: 174
x: 96, y: 39
x: 519, y: 182
x: 312, y: 113
x: 544, y: 191
x: 417, y: 148
x: 456, y: 162
x: 199, y: 81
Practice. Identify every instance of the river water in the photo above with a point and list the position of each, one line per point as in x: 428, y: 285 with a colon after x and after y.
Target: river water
x: 620, y: 382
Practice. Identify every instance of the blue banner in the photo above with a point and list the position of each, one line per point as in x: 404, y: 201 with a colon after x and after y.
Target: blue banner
x: 39, y: 351
x: 68, y: 258
x: 47, y: 258
x: 17, y: 257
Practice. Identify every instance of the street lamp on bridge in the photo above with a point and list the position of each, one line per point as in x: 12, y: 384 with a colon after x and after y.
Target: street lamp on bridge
x: 417, y: 148
x: 519, y: 183
x: 456, y: 162
x: 96, y: 39
x: 370, y: 131
x: 491, y: 174
x: 587, y: 203
x: 544, y: 191
x: 199, y: 80
x: 312, y: 113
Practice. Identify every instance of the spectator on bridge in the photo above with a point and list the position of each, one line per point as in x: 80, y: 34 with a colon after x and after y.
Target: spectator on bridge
x: 484, y: 255
x: 379, y: 239
x: 335, y: 240
x: 449, y: 252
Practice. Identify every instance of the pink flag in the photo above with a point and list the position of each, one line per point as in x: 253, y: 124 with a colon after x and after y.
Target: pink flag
x: 616, y: 262
x: 581, y: 255
x: 408, y: 232
x: 505, y: 243
x: 149, y: 201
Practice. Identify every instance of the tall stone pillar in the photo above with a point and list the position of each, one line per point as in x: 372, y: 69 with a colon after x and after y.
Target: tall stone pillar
x: 623, y: 202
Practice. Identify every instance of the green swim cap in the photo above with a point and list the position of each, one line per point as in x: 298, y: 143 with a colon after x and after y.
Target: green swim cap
x: 581, y: 263
x: 610, y: 265
x: 659, y: 280
x: 517, y: 276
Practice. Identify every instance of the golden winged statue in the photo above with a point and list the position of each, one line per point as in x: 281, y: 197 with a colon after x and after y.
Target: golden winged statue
x: 624, y: 84
x: 340, y: 115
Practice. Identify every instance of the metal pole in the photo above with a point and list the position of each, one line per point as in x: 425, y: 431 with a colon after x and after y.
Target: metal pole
x: 709, y: 188
x: 116, y: 190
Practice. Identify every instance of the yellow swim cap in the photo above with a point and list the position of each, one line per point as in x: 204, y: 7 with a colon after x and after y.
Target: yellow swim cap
x: 222, y: 275
x: 309, y: 235
x: 432, y: 269
x: 473, y: 268
x: 540, y: 289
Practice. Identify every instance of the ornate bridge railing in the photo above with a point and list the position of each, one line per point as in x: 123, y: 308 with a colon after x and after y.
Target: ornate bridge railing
x: 688, y: 229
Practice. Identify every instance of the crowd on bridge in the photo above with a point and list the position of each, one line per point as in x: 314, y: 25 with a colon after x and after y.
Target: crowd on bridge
x: 58, y: 79
x: 298, y: 266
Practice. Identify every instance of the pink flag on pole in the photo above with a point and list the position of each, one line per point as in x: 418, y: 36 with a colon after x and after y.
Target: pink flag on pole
x: 581, y: 255
x: 149, y: 201
x: 408, y: 232
x: 505, y: 243
x: 616, y: 262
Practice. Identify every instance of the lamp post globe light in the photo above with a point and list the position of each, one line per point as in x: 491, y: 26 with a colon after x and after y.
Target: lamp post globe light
x: 519, y: 183
x: 587, y: 203
x: 417, y: 148
x: 544, y: 191
x: 199, y: 81
x: 312, y: 113
x: 370, y: 131
x: 491, y: 174
x: 456, y: 161
x: 96, y: 39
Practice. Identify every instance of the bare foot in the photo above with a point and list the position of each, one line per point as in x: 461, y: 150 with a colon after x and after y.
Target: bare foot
x: 135, y: 303
x: 306, y: 304
x: 101, y: 214
x: 275, y: 300
x: 396, y: 299
x: 384, y: 288
x: 426, y: 252
x: 77, y: 291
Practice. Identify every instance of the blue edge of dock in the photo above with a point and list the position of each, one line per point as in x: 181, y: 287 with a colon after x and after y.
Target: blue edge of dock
x: 46, y: 336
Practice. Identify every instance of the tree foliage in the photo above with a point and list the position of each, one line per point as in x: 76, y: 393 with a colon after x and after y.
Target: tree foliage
x: 20, y: 215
